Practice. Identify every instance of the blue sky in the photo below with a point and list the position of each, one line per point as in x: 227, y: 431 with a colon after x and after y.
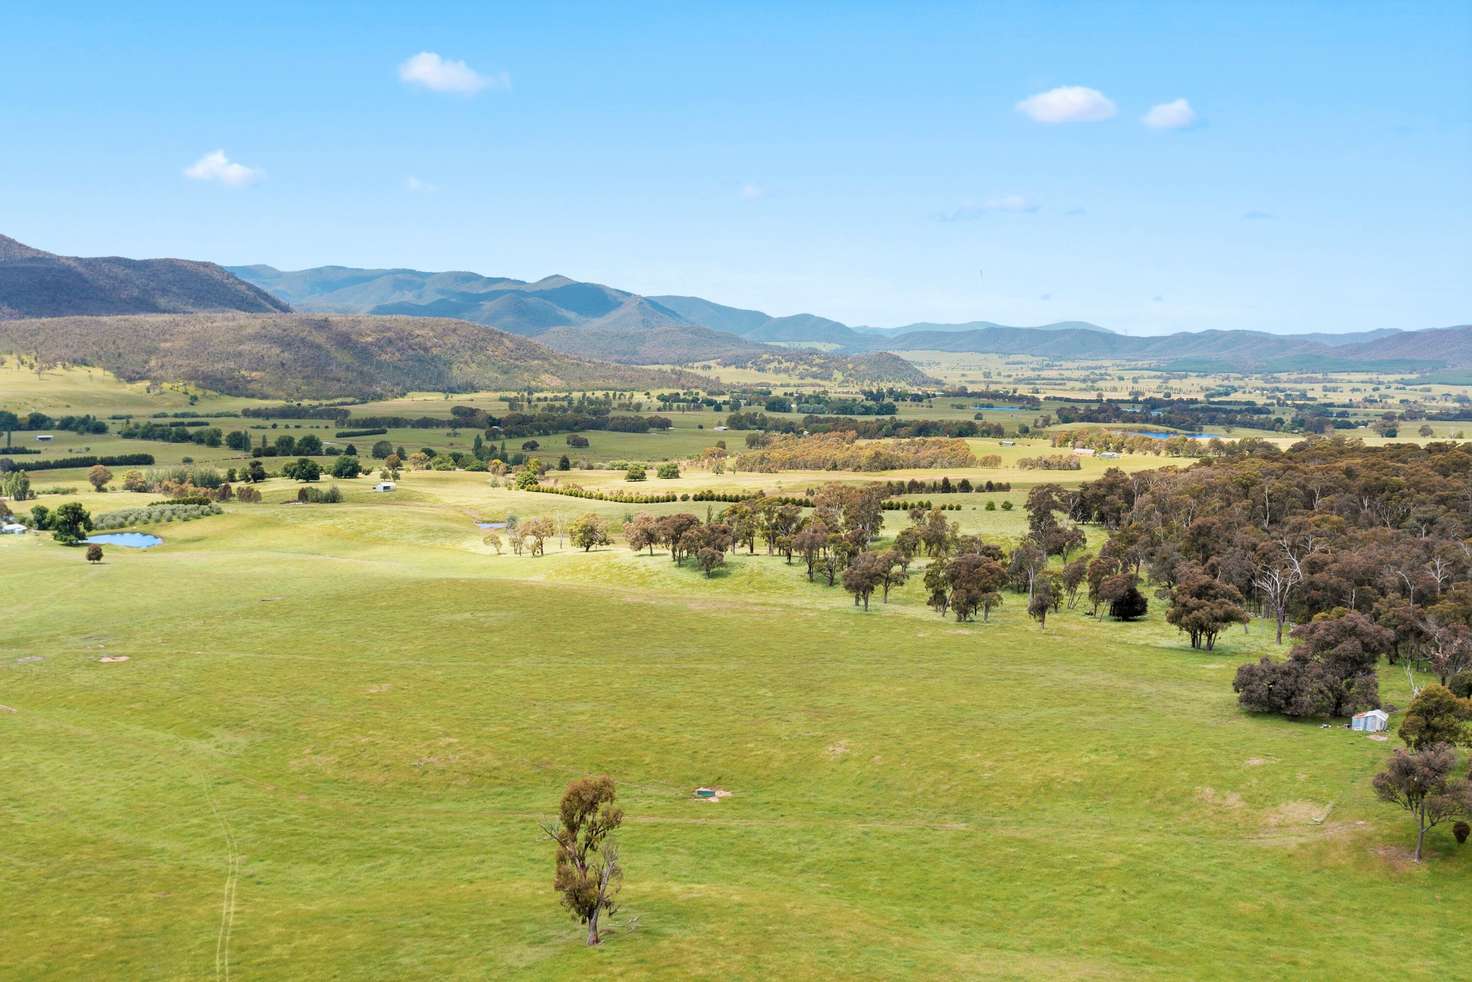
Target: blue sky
x: 868, y: 162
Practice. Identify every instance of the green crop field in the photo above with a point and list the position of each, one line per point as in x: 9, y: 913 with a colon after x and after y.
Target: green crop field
x: 337, y: 728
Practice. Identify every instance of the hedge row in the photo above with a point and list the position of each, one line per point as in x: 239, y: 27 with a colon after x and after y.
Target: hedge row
x: 63, y: 463
x: 945, y: 486
x: 907, y: 505
x: 346, y: 434
x: 629, y: 498
x: 622, y: 497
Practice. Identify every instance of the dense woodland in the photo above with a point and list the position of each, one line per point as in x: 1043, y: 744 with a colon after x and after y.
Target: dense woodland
x: 1368, y: 550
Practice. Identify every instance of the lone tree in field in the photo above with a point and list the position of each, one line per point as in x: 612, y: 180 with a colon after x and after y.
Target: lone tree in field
x: 588, y: 870
x: 588, y: 531
x: 1422, y: 784
x: 94, y: 553
x: 99, y: 476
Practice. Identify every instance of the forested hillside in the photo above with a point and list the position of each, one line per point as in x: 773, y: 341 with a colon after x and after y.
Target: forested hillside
x: 302, y: 356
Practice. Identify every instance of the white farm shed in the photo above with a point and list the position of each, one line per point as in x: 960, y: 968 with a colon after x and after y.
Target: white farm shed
x: 1370, y: 721
x: 384, y: 486
x: 13, y: 528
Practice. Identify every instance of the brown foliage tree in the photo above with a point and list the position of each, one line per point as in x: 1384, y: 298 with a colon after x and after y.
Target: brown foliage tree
x: 1422, y: 784
x: 588, y: 871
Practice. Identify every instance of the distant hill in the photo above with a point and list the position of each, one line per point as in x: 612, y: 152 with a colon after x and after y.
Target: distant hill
x: 980, y: 326
x: 34, y: 283
x: 316, y: 356
x: 593, y: 320
x: 1216, y: 350
x: 877, y: 368
x: 516, y: 306
x: 585, y: 319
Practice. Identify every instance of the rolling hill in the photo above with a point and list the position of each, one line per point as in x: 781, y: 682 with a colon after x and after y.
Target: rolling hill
x: 34, y: 283
x: 316, y: 356
x: 598, y: 321
x: 585, y: 319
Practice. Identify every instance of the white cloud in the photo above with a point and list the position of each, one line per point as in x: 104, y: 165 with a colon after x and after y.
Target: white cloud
x: 1068, y: 104
x: 1174, y: 115
x: 1010, y: 202
x: 414, y: 184
x: 1016, y: 203
x: 215, y: 166
x: 1259, y: 216
x: 752, y: 192
x: 428, y: 70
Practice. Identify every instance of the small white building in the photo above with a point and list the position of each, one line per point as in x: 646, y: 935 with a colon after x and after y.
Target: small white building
x: 1083, y: 451
x: 384, y: 486
x: 43, y: 437
x: 721, y: 429
x: 13, y: 528
x: 1109, y: 454
x: 1370, y: 721
x: 1009, y: 443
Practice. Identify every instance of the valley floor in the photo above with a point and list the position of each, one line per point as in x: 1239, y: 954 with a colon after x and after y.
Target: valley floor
x: 337, y: 727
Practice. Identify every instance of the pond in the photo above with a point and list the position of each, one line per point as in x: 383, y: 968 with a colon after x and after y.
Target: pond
x: 128, y: 540
x: 490, y: 525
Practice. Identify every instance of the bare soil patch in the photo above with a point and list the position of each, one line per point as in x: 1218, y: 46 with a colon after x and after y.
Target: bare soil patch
x: 1297, y: 813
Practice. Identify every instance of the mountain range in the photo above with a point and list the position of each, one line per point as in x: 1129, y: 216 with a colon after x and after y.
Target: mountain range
x: 617, y: 325
x: 593, y: 321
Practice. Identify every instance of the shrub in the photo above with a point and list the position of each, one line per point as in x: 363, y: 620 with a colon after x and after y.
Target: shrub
x: 1460, y: 831
x: 1129, y: 607
x: 636, y: 472
x: 1461, y: 684
x: 1006, y: 506
x: 94, y: 553
x: 668, y: 471
x: 316, y: 496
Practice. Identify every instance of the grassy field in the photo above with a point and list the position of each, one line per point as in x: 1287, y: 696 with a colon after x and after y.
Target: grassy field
x: 338, y: 726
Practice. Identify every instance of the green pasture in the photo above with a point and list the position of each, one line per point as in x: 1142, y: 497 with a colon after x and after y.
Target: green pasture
x: 338, y: 726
